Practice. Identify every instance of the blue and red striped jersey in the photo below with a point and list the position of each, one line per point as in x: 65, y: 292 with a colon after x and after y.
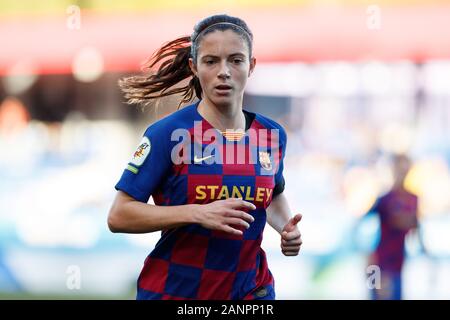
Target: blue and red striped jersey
x: 181, y: 160
x: 394, y: 208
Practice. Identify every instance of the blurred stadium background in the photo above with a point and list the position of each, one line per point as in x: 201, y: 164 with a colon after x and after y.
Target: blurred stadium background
x: 351, y: 81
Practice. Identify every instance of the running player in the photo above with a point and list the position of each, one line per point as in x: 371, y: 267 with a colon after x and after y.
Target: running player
x: 214, y: 170
x: 397, y: 210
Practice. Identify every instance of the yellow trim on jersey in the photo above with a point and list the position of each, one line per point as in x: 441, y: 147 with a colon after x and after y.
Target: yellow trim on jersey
x: 132, y: 169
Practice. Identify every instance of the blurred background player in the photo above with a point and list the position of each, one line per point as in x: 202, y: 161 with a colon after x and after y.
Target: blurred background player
x: 398, y: 215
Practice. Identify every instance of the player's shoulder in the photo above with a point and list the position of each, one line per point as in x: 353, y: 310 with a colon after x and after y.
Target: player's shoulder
x: 412, y: 196
x: 270, y: 124
x: 386, y: 195
x: 267, y: 122
x: 182, y: 118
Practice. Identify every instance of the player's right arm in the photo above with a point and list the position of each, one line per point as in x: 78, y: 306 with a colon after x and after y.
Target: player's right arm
x: 128, y: 215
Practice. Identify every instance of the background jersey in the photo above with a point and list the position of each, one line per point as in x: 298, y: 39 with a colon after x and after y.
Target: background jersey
x: 389, y: 254
x: 192, y: 262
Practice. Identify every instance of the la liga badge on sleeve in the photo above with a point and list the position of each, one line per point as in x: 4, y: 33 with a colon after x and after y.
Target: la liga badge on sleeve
x: 142, y: 152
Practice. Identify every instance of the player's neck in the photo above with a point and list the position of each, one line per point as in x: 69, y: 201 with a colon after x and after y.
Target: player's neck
x: 399, y: 188
x: 222, y: 118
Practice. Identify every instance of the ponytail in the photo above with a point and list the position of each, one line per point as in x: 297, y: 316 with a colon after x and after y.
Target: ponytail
x: 174, y: 58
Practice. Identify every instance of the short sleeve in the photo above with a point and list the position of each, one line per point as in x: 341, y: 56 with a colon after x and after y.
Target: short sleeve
x: 279, y: 178
x: 148, y: 166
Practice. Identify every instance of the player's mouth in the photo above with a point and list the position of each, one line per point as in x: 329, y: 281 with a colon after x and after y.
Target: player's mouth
x: 223, y: 89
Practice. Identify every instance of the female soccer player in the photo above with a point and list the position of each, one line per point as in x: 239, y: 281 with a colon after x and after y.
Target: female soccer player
x: 215, y: 172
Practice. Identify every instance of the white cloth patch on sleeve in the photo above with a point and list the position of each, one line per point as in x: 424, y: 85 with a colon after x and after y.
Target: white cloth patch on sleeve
x: 142, y: 152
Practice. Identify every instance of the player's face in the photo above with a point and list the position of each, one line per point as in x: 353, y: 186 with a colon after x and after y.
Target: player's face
x: 223, y: 67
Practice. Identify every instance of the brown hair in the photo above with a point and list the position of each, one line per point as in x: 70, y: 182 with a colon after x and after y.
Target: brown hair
x: 174, y: 64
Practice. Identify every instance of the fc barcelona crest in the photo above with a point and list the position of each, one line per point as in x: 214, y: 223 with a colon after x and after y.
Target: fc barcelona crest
x: 264, y: 160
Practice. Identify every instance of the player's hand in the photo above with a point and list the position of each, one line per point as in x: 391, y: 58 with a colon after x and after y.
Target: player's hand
x: 291, y: 239
x: 226, y: 215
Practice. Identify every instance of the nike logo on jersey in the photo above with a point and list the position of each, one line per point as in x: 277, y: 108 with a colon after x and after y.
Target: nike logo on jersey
x: 198, y: 160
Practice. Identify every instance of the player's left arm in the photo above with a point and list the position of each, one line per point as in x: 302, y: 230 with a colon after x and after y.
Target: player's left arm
x: 280, y: 218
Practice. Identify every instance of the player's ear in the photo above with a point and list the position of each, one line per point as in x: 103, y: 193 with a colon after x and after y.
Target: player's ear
x: 252, y: 65
x: 193, y: 66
